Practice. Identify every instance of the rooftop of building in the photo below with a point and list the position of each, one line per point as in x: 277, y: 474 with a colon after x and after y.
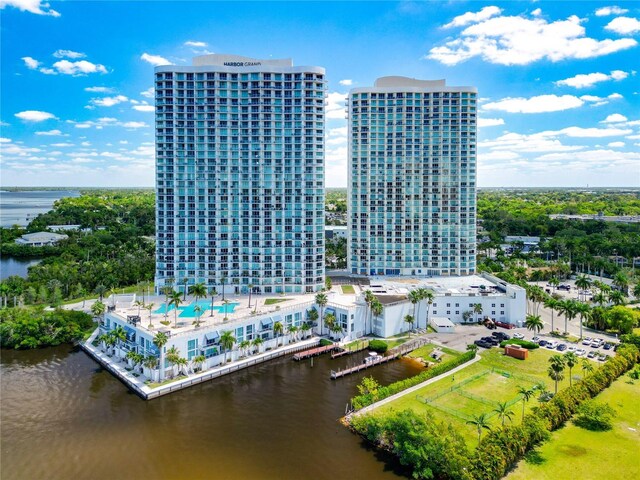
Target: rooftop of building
x: 408, y: 84
x: 43, y: 236
x: 455, y: 285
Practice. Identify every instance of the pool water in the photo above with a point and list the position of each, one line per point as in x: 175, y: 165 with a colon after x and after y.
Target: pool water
x: 190, y: 310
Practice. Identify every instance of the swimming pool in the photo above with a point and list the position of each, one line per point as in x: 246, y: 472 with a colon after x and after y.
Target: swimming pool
x: 190, y: 310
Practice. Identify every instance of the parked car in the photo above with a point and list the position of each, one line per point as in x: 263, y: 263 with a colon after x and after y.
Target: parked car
x: 572, y: 348
x: 543, y: 343
x: 552, y: 344
x: 505, y: 325
x: 586, y: 341
x: 592, y: 354
x: 565, y: 287
x: 519, y: 336
x: 602, y: 357
x: 561, y: 348
x: 607, y: 346
x: 536, y: 339
x: 500, y: 335
x: 580, y: 352
x: 615, y: 347
x: 483, y: 344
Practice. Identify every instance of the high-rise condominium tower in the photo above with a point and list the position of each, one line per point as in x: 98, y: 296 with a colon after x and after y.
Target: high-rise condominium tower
x: 240, y: 175
x: 412, y: 178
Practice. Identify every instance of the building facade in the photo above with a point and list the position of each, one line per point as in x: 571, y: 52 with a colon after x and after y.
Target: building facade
x: 412, y: 178
x: 240, y: 175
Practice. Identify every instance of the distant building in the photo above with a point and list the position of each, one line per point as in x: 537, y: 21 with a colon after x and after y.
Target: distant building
x: 600, y: 217
x: 333, y: 232
x: 41, y: 239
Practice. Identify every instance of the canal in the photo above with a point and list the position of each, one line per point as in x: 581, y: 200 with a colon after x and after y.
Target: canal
x: 64, y: 417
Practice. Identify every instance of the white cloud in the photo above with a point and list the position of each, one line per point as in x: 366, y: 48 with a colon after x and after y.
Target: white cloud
x: 624, y: 25
x: 38, y: 7
x: 149, y: 92
x: 593, y: 132
x: 81, y: 67
x: 31, y: 63
x: 346, y: 82
x: 616, y: 144
x: 539, y: 104
x: 598, y: 101
x: 155, y: 60
x: 590, y: 79
x: 108, y: 101
x: 53, y: 133
x: 34, y: 116
x: 490, y: 122
x: 99, y: 89
x: 62, y: 145
x: 336, y: 105
x: 517, y: 142
x: 613, y: 10
x: 191, y: 43
x: 134, y: 125
x: 470, y: 17
x: 516, y: 40
x: 614, y: 118
x: 68, y: 54
x: 537, y: 12
x: 144, y: 108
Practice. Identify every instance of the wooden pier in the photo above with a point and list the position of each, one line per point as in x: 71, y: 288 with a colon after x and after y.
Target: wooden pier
x: 363, y: 366
x: 314, y: 352
x: 344, y: 352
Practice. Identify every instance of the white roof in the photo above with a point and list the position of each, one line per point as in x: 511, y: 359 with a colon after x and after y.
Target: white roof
x: 442, y: 321
x: 43, y: 236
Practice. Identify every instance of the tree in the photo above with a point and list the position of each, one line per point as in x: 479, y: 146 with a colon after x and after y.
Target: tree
x: 223, y: 280
x: 277, y: 331
x: 582, y: 283
x: 570, y: 360
x: 616, y: 297
x: 336, y: 328
x: 151, y: 363
x: 250, y: 287
x: 327, y: 283
x: 198, y: 361
x: 368, y: 298
x: 429, y: 297
x: 477, y: 310
x: 227, y: 340
x: 160, y: 340
x: 472, y: 347
x: 119, y: 335
x: 197, y: 310
x: 584, y: 311
x: 636, y: 291
x: 244, y: 346
x: 621, y: 281
x: 98, y: 309
x: 321, y: 301
x: 552, y: 304
x: 149, y: 306
x: 595, y: 416
x: 534, y: 323
x: 409, y: 319
x: 526, y: 396
x: 293, y: 331
x: 368, y: 386
x: 376, y: 308
x: 622, y: 319
x: 480, y: 422
x: 556, y: 369
x: 181, y: 363
x: 329, y: 321
x: 503, y: 412
x: 414, y: 297
x: 213, y: 292
x: 175, y: 300
x: 100, y: 290
x: 600, y: 298
x: 185, y: 282
x: 587, y: 367
x: 312, y: 316
x: 173, y: 357
x: 305, y: 327
x: 198, y: 290
x: 568, y: 308
x: 257, y: 342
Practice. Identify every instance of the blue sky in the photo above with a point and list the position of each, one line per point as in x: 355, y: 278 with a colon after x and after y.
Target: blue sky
x: 559, y: 90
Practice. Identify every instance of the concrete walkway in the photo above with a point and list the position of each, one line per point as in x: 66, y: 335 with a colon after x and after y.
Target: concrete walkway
x: 413, y: 389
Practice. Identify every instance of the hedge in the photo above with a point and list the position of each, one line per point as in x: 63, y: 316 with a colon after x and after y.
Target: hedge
x: 325, y: 343
x: 523, y: 343
x: 501, y: 449
x: 362, y: 401
x: 378, y: 346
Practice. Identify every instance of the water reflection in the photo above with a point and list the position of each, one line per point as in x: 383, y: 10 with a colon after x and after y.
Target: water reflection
x: 63, y: 417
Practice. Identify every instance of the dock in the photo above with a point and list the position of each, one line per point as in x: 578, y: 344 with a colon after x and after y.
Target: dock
x: 363, y: 366
x: 344, y: 352
x: 314, y: 352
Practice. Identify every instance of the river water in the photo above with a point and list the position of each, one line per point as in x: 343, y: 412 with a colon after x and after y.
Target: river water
x: 15, y: 266
x: 19, y: 208
x: 64, y: 417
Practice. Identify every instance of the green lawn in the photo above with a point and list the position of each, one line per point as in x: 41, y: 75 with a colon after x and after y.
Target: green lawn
x: 273, y: 301
x: 481, y: 394
x: 348, y: 289
x: 425, y: 351
x: 574, y: 452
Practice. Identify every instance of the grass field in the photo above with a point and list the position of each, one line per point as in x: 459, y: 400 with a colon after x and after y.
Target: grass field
x: 425, y: 351
x: 574, y: 452
x: 458, y: 397
x: 348, y: 289
x: 273, y: 301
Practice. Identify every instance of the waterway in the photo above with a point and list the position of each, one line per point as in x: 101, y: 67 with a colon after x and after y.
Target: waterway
x: 20, y: 207
x: 65, y: 417
x: 15, y: 266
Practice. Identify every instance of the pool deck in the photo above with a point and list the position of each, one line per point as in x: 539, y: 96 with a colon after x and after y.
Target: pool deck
x: 118, y: 367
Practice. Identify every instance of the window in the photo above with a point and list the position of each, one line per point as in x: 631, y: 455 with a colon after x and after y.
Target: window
x: 192, y: 348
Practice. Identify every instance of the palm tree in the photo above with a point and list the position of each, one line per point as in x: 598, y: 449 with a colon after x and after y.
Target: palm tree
x: 329, y: 321
x: 149, y: 306
x: 600, y: 298
x: 526, y: 396
x: 616, y: 297
x: 175, y: 300
x: 226, y: 311
x: 552, y: 304
x: 213, y: 292
x: 582, y: 282
x: 554, y: 282
x: 100, y: 290
x: 244, y: 346
x: 569, y: 310
x: 409, y: 319
x: 227, y: 340
x: 621, y: 281
x: 277, y: 331
x: 584, y: 310
x: 570, y: 360
x: 223, y: 280
x: 185, y: 282
x: 167, y: 292
x: 198, y: 361
x: 376, y: 308
x: 534, y: 323
x: 636, y: 291
x: 336, y: 328
x: 477, y: 310
x: 257, y: 342
x: 181, y: 362
x: 197, y: 310
x: 151, y: 363
x: 428, y: 296
x: 414, y: 298
x: 98, y: 309
x: 173, y: 356
x: 293, y: 330
x: 160, y: 340
x: 312, y: 316
x: 587, y: 366
x: 199, y: 290
x: 503, y: 412
x: 304, y: 328
x: 250, y: 287
x: 472, y: 347
x: 119, y: 335
x: 556, y: 369
x: 480, y: 422
x: 138, y: 304
x: 368, y: 298
x: 321, y: 301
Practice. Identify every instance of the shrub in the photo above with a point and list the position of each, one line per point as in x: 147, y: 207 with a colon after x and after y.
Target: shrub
x: 324, y: 342
x: 361, y: 401
x: 594, y: 416
x: 523, y: 343
x: 378, y: 346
